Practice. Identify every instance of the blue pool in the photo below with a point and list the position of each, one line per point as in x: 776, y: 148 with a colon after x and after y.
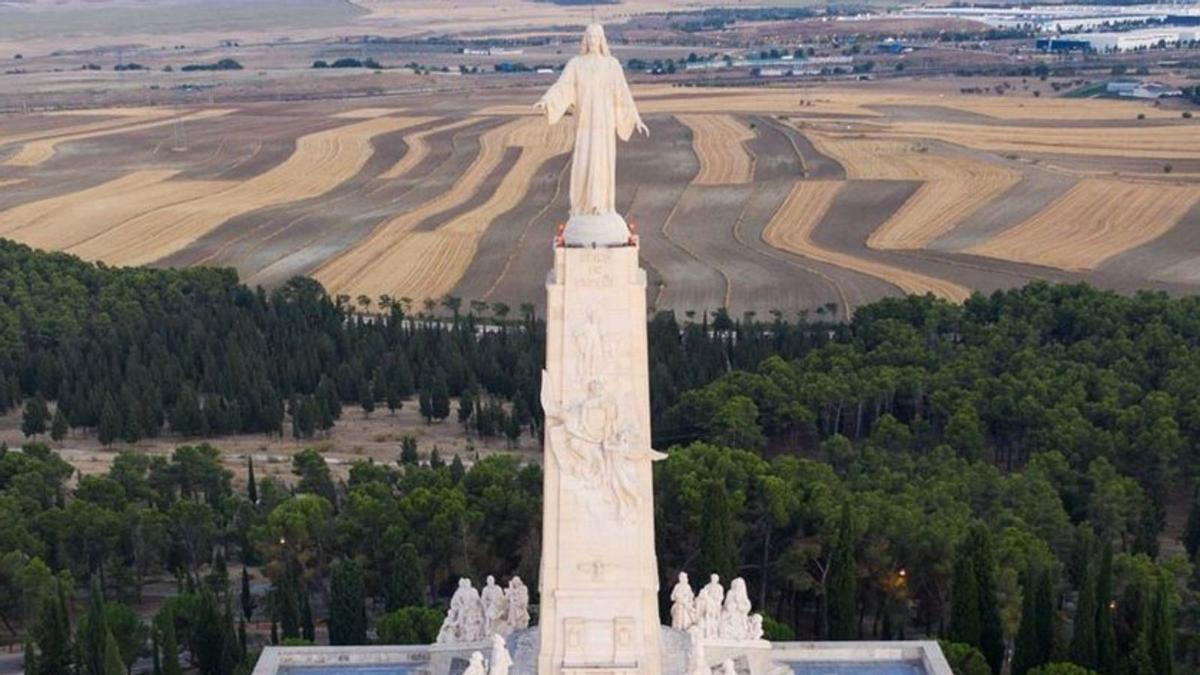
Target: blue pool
x: 347, y: 669
x: 816, y: 668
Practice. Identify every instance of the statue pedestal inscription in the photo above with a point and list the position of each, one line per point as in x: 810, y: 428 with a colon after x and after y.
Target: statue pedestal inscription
x: 599, y: 576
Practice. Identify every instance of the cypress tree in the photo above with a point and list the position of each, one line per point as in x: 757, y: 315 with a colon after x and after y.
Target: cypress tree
x: 155, y: 653
x: 110, y: 422
x: 718, y: 549
x: 308, y: 629
x: 247, y: 596
x: 59, y: 427
x: 965, y: 624
x: 113, y: 665
x: 1106, y: 632
x: 93, y: 632
x: 1162, y: 628
x: 1191, y: 533
x: 170, y: 646
x: 440, y: 398
x: 1027, y: 653
x: 29, y: 664
x: 408, y: 451
x: 347, y: 610
x: 407, y: 579
x: 991, y: 636
x: 1046, y: 615
x: 251, y: 484
x: 53, y: 634
x: 287, y: 606
x: 366, y: 397
x: 1083, y: 641
x: 840, y: 604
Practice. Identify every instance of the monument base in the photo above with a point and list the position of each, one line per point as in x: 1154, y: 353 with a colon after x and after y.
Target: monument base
x: 600, y: 229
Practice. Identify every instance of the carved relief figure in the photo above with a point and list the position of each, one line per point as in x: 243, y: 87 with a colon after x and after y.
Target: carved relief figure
x: 735, y: 616
x: 592, y: 443
x: 683, y: 604
x: 593, y: 84
x: 495, y: 608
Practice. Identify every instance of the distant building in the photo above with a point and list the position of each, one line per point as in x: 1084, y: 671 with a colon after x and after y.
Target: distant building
x: 1117, y: 42
x: 1136, y: 89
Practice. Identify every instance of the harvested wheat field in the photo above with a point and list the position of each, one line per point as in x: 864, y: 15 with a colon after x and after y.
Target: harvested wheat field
x: 952, y: 187
x: 1096, y: 220
x: 755, y: 199
x: 428, y: 264
x: 791, y: 230
x: 719, y: 143
x: 41, y: 150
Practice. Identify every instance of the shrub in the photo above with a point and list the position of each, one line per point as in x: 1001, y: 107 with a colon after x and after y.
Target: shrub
x: 965, y: 659
x: 410, y: 626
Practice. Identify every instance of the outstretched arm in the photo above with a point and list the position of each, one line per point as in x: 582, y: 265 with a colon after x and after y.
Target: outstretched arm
x: 560, y: 97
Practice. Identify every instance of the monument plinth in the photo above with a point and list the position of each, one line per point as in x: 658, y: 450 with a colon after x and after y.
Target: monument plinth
x: 599, y: 576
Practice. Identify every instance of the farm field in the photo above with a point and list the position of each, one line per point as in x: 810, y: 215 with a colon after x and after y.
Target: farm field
x: 813, y: 199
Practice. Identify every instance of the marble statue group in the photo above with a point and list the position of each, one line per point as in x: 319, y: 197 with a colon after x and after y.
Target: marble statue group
x: 474, y: 615
x: 713, y: 614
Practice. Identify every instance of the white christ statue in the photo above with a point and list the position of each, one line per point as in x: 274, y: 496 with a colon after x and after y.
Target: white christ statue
x: 593, y: 83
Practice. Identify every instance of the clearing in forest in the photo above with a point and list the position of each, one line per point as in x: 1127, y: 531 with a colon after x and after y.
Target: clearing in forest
x: 400, y: 261
x: 953, y: 187
x: 1094, y: 221
x: 791, y: 230
x: 320, y: 162
x: 42, y: 149
x: 719, y: 143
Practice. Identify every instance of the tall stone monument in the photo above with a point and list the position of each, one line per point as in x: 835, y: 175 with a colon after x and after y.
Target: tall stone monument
x: 599, y: 575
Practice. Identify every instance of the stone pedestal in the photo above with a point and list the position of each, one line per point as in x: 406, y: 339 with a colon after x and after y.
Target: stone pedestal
x: 599, y: 576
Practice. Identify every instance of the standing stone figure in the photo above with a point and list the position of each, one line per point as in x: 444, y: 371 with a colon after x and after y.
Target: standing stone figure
x: 472, y: 625
x: 735, y: 616
x: 594, y: 84
x: 517, y: 596
x: 476, y: 666
x: 683, y: 604
x: 708, y: 607
x: 452, y: 625
x: 495, y: 608
x: 500, y: 660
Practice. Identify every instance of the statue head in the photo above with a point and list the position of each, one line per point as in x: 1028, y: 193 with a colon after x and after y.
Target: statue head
x: 715, y: 579
x: 683, y: 577
x: 477, y: 659
x: 491, y: 580
x: 464, y: 583
x: 738, y: 584
x: 594, y: 41
x: 497, y: 641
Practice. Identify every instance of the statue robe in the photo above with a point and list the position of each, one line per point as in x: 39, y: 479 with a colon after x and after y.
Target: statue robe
x: 595, y: 85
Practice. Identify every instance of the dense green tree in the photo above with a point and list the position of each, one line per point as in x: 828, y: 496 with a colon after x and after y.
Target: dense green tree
x: 347, y: 611
x: 965, y: 659
x: 439, y: 398
x: 843, y: 581
x: 408, y: 451
x: 718, y: 547
x: 410, y: 626
x: 1106, y: 635
x: 1083, y: 640
x: 1061, y: 669
x: 35, y: 417
x: 59, y: 427
x: 308, y: 627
